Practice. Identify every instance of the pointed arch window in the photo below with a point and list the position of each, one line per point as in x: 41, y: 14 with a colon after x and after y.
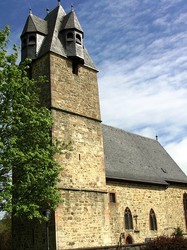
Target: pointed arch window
x: 152, y: 220
x: 128, y: 219
x: 185, y: 207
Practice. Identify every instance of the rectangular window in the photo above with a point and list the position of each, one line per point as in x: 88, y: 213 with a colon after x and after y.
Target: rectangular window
x: 112, y: 197
x: 75, y: 68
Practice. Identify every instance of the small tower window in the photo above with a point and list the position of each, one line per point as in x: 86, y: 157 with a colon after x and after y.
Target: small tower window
x: 75, y: 68
x: 78, y: 39
x: 70, y: 37
x: 128, y: 219
x: 32, y: 40
x: 152, y: 219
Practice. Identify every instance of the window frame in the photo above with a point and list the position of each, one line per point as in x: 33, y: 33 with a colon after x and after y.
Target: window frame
x: 70, y: 36
x: 78, y: 39
x: 112, y: 197
x: 32, y: 40
x: 152, y: 220
x: 128, y: 220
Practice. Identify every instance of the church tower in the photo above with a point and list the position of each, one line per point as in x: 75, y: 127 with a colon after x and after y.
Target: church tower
x: 55, y: 45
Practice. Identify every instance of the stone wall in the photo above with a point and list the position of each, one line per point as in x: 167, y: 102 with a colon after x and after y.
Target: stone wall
x: 71, y: 92
x: 83, y: 165
x: 82, y: 220
x: 167, y: 204
x: 41, y: 68
x: 74, y: 101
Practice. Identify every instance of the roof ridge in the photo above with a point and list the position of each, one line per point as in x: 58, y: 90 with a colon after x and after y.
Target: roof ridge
x: 55, y: 11
x: 131, y: 133
x: 31, y: 15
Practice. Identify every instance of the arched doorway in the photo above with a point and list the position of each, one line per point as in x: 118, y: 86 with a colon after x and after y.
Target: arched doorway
x: 129, y: 240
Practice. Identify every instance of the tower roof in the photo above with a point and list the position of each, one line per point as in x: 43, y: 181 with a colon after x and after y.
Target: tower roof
x: 52, y: 26
x: 35, y: 24
x: 71, y: 22
x: 52, y: 41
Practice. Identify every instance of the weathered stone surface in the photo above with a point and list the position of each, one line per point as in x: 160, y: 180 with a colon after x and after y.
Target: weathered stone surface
x: 81, y: 221
x: 84, y: 164
x: 71, y: 92
x: 167, y: 204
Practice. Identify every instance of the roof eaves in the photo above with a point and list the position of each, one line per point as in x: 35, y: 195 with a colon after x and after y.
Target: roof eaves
x: 176, y: 181
x: 155, y: 182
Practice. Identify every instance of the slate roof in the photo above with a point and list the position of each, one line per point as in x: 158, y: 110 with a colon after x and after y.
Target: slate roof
x: 52, y: 42
x: 51, y: 26
x: 71, y: 21
x: 35, y: 24
x: 136, y: 158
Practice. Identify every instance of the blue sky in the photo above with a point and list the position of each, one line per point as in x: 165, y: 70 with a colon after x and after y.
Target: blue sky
x: 140, y: 49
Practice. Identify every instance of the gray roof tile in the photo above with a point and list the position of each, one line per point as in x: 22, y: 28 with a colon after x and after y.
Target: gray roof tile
x: 136, y: 158
x: 53, y: 43
x: 35, y: 24
x: 71, y: 22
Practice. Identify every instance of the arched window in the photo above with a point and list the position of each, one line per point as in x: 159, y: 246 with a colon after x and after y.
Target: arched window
x: 185, y: 207
x: 152, y: 220
x: 32, y: 40
x: 78, y: 39
x: 128, y: 219
x: 69, y: 36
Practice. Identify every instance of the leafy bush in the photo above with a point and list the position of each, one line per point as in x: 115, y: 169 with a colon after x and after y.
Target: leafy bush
x: 178, y: 232
x: 167, y: 243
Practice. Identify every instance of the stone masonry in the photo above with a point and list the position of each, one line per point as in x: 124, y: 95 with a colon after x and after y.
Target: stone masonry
x: 82, y: 220
x: 166, y: 202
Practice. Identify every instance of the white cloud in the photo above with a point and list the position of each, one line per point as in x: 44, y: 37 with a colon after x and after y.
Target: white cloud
x: 143, y: 78
x: 178, y: 151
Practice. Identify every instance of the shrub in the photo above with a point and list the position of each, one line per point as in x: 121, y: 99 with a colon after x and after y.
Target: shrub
x: 167, y: 243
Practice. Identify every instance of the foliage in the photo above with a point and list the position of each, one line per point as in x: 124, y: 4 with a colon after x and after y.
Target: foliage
x: 5, y: 232
x: 178, y: 232
x: 167, y: 243
x: 28, y: 170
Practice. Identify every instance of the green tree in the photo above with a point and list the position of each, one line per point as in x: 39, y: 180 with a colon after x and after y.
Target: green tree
x: 28, y: 170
